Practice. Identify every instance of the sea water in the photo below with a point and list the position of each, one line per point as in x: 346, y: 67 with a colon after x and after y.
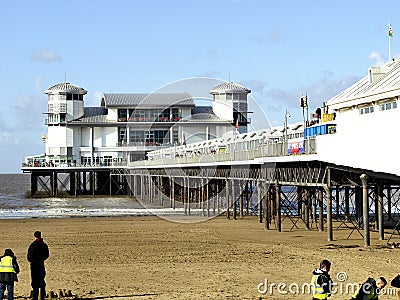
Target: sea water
x: 16, y: 203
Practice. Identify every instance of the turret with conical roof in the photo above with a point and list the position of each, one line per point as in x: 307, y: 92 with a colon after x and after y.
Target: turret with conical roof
x: 65, y: 103
x: 230, y: 103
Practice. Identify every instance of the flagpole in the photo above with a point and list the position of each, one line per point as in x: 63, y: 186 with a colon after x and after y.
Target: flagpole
x: 390, y: 34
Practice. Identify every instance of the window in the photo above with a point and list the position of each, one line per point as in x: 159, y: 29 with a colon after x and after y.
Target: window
x: 175, y: 114
x: 388, y: 105
x: 122, y: 135
x: 122, y: 115
x: 63, y: 107
x: 50, y: 107
x: 62, y: 118
x: 175, y: 136
x: 136, y: 137
x: 366, y: 110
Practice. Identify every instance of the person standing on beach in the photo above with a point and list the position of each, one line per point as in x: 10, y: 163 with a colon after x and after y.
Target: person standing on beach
x: 8, y: 273
x: 321, y: 283
x: 370, y: 289
x: 38, y: 252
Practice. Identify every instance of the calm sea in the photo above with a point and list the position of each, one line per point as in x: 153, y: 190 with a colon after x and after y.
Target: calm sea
x: 15, y: 203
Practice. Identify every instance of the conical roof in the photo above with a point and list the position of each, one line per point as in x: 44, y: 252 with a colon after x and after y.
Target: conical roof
x: 65, y: 87
x: 229, y: 87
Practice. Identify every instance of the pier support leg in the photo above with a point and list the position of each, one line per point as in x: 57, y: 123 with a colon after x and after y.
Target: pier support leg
x: 227, y: 199
x: 278, y: 207
x: 321, y: 210
x: 365, y: 202
x: 347, y: 202
x: 34, y: 184
x: 380, y: 213
x: 259, y: 202
x: 329, y: 214
x: 307, y: 208
x: 268, y: 206
x: 234, y: 199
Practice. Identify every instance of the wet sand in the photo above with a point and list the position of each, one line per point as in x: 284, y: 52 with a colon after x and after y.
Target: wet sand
x: 151, y: 258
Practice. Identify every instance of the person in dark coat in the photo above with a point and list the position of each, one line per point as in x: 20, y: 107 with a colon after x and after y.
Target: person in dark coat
x: 370, y: 289
x: 8, y: 273
x: 38, y: 252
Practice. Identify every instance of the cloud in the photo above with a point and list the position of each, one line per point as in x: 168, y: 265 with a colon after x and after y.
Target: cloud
x: 46, y: 55
x: 378, y: 58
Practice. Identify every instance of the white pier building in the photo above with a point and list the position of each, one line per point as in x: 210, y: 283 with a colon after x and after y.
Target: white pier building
x: 127, y: 126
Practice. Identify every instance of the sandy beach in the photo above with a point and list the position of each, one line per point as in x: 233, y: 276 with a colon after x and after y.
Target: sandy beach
x: 152, y: 258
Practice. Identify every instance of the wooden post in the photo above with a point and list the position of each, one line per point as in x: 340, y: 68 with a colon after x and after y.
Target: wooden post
x: 259, y: 201
x: 365, y: 202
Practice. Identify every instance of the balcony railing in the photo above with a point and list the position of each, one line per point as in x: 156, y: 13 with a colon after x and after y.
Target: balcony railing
x: 269, y: 149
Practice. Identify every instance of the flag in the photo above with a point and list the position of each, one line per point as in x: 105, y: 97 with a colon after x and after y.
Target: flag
x: 303, y: 101
x: 237, y: 126
x: 390, y: 31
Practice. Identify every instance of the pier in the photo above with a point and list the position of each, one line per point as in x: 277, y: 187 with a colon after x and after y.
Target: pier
x: 309, y: 193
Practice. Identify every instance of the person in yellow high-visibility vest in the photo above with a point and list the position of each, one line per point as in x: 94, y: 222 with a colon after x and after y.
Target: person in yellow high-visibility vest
x: 321, y: 282
x: 8, y: 273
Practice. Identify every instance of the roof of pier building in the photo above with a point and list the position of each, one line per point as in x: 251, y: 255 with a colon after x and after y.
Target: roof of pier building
x: 65, y: 87
x: 153, y: 100
x: 380, y: 83
x: 229, y: 87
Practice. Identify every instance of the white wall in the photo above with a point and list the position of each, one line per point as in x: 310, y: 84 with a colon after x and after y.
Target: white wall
x: 364, y: 141
x: 85, y: 136
x: 223, y: 109
x: 112, y: 114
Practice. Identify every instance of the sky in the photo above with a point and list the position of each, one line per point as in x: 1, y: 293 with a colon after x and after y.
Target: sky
x: 280, y: 50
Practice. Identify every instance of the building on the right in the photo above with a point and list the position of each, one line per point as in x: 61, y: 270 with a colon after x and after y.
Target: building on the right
x: 367, y: 116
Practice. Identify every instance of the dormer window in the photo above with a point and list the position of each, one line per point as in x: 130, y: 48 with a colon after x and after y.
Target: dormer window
x: 388, y: 105
x: 366, y: 110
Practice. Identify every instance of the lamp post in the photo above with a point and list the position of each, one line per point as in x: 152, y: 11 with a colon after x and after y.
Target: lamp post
x: 285, y: 139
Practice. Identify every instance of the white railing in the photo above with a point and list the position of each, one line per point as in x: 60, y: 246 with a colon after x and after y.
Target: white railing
x: 265, y: 150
